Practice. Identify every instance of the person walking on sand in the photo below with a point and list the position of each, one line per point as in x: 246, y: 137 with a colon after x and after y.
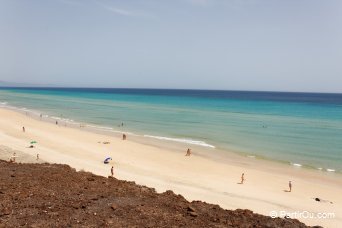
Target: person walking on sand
x: 37, y: 157
x: 14, y: 156
x: 123, y: 136
x: 56, y: 122
x: 188, y: 152
x: 242, y: 178
x: 290, y: 186
x: 112, y: 171
x: 24, y: 129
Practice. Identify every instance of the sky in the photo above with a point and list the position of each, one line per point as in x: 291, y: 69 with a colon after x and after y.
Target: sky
x: 268, y: 45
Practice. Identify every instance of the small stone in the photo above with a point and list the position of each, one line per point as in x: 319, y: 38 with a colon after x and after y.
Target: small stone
x: 109, y: 221
x: 114, y: 206
x: 193, y: 214
x: 191, y: 209
x: 5, y: 211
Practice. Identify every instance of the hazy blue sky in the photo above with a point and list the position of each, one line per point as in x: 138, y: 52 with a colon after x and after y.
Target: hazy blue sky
x: 287, y: 45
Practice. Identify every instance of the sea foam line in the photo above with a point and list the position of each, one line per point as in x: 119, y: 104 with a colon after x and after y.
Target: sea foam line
x: 296, y: 164
x: 330, y: 170
x: 100, y: 127
x: 110, y: 129
x: 21, y: 109
x: 188, y: 141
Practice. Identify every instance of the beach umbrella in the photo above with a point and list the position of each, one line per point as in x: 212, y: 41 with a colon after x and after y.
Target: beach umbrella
x: 33, y: 142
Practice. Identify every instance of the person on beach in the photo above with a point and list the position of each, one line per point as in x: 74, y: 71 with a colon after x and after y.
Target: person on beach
x: 290, y: 186
x: 13, y: 157
x: 112, y: 171
x: 56, y: 122
x: 40, y: 116
x: 37, y: 157
x: 188, y: 152
x: 123, y: 136
x: 24, y: 129
x: 242, y: 178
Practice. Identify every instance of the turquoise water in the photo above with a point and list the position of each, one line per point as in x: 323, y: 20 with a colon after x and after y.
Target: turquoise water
x: 297, y: 128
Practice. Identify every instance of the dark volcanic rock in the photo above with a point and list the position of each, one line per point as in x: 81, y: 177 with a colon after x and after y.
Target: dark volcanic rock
x: 49, y: 195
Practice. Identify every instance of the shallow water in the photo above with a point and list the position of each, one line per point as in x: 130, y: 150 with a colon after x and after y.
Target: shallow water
x: 302, y: 129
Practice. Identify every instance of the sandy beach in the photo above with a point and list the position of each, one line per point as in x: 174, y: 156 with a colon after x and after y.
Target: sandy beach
x: 196, y: 177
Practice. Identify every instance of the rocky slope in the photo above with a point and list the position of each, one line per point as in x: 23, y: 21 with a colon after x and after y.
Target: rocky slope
x: 50, y: 195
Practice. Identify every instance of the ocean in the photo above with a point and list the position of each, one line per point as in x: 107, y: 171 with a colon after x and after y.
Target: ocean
x: 301, y: 129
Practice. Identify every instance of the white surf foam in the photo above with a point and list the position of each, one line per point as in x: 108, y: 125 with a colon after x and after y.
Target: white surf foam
x: 63, y: 120
x: 296, y: 164
x: 110, y: 129
x: 55, y: 118
x: 330, y: 170
x: 99, y: 127
x: 188, y: 141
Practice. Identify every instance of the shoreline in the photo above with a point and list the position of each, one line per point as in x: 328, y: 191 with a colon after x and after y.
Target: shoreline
x: 196, y: 178
x: 219, y: 153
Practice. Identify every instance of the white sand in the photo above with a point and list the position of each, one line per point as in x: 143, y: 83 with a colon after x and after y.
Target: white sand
x: 195, y: 177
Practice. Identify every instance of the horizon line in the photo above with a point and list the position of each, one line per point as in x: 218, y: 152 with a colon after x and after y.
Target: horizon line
x: 136, y: 88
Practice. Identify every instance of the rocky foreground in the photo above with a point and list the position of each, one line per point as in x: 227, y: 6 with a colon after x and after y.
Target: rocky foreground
x: 50, y: 195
